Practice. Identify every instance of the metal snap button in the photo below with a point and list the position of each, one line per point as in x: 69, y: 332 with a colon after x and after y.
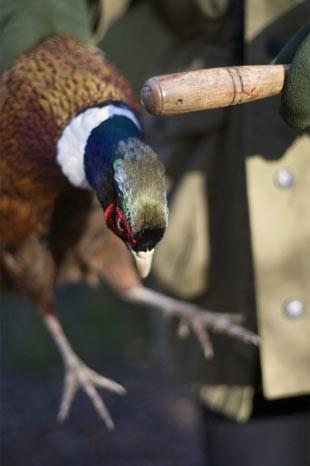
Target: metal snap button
x: 284, y: 178
x: 293, y: 308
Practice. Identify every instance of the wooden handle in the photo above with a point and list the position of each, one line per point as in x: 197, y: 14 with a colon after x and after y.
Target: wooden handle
x: 191, y: 91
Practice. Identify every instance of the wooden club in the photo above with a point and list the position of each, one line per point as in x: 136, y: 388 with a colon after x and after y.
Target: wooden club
x: 192, y: 91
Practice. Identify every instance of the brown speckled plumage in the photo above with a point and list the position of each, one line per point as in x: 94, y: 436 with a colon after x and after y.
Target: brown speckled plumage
x: 45, y: 88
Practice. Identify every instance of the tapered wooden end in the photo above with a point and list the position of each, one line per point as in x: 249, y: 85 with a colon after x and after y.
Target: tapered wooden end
x: 151, y: 96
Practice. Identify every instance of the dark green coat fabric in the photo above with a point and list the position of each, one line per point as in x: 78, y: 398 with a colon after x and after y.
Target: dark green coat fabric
x: 24, y: 22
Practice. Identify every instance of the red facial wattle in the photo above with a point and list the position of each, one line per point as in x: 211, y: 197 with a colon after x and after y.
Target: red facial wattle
x: 117, y: 222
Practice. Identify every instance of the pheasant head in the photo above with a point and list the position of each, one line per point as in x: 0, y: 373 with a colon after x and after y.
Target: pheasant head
x: 110, y: 156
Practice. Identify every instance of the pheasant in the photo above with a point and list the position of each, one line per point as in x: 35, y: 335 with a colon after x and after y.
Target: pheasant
x: 70, y: 132
x: 80, y: 191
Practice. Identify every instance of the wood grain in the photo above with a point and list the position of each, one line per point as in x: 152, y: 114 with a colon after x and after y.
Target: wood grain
x: 192, y: 91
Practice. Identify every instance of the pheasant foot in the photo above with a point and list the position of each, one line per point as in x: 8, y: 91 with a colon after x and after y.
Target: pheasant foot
x: 78, y: 375
x: 194, y: 318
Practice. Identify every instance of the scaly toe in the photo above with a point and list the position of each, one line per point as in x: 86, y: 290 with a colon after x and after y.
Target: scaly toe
x: 78, y: 375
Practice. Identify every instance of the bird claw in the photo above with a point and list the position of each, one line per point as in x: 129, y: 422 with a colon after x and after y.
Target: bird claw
x: 202, y: 321
x: 78, y: 375
x: 194, y: 319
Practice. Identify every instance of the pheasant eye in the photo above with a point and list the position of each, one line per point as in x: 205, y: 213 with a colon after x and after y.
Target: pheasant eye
x: 120, y: 225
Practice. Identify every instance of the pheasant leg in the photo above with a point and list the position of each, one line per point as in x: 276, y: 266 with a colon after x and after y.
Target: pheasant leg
x: 78, y: 375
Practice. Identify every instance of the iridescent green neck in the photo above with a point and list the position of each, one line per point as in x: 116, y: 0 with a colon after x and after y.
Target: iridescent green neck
x: 102, y: 151
x: 140, y: 184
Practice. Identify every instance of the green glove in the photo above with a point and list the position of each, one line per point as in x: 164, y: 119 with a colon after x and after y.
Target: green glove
x: 295, y: 101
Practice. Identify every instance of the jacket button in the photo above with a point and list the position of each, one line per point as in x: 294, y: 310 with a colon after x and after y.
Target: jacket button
x: 293, y: 308
x: 284, y: 178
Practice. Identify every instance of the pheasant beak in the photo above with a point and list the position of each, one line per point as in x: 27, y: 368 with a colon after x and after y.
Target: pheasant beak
x: 143, y: 261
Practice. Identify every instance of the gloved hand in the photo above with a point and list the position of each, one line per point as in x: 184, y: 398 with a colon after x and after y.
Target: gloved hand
x: 295, y: 100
